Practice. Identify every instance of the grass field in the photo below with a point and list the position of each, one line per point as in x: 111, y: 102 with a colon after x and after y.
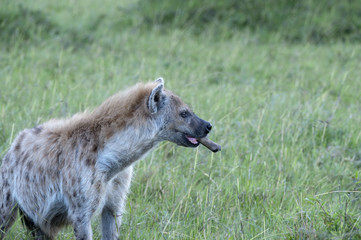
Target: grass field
x: 287, y: 116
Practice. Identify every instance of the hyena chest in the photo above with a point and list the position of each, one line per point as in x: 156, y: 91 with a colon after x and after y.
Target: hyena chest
x: 123, y: 150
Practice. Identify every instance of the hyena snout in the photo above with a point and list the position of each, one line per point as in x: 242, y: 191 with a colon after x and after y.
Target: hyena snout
x: 204, y: 128
x: 199, y: 129
x: 208, y: 127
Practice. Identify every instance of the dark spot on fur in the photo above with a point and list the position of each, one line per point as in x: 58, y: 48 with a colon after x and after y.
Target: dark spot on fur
x: 29, y: 165
x: 74, y: 194
x: 85, y: 141
x: 8, y: 196
x: 93, y: 207
x: 17, y: 146
x: 6, y: 158
x: 26, y: 156
x: 20, y: 156
x: 36, y: 147
x: 57, y: 174
x: 95, y: 148
x: 97, y: 186
x: 20, y: 139
x: 37, y: 129
x: 59, y: 159
x: 27, y: 177
x: 116, y: 181
x: 89, y: 162
x: 82, y: 154
x: 54, y: 141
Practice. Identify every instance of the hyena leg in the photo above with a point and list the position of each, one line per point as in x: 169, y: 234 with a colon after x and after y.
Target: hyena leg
x: 110, y: 224
x: 35, y: 231
x: 7, y: 218
x: 82, y: 225
x: 114, y: 207
x: 8, y: 206
x: 83, y: 231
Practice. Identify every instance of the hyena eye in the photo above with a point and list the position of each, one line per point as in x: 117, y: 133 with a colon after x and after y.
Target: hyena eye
x: 184, y: 114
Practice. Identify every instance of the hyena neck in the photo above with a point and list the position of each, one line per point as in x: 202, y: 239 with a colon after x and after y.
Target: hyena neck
x: 128, y: 130
x: 126, y: 147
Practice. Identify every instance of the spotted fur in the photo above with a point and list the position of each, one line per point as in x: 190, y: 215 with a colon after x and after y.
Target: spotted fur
x: 65, y: 171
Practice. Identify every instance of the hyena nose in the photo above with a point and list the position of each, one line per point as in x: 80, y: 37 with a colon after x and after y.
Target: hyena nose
x: 208, y: 127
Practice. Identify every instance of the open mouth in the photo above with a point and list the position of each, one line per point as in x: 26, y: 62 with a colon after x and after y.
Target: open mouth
x: 192, y: 140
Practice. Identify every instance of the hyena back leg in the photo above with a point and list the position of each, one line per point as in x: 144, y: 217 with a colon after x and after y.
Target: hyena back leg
x: 8, y: 206
x: 7, y: 218
x: 110, y: 224
x: 35, y: 231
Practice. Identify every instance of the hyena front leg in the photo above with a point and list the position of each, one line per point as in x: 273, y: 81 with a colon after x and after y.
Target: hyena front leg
x: 82, y: 230
x: 81, y: 222
x: 114, y: 207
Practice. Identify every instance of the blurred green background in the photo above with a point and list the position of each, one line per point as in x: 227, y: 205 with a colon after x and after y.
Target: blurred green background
x: 293, y: 21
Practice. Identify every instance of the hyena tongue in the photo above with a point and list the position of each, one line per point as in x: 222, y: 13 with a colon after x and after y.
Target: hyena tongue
x: 214, y: 147
x: 192, y: 140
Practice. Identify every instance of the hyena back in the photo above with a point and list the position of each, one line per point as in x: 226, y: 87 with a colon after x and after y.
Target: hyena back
x: 64, y: 171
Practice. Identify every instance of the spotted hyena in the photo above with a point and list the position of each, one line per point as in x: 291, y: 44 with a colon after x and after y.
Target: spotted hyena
x: 65, y: 171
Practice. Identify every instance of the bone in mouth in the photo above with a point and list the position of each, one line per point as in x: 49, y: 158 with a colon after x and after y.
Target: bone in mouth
x: 214, y: 147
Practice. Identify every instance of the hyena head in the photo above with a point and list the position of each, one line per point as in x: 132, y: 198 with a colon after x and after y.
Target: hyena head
x: 179, y: 124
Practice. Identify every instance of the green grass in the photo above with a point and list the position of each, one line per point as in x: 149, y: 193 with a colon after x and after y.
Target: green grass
x: 287, y: 116
x: 317, y: 21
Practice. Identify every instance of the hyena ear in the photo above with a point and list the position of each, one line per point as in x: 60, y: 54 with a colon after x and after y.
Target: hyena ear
x: 160, y: 81
x: 155, y: 100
